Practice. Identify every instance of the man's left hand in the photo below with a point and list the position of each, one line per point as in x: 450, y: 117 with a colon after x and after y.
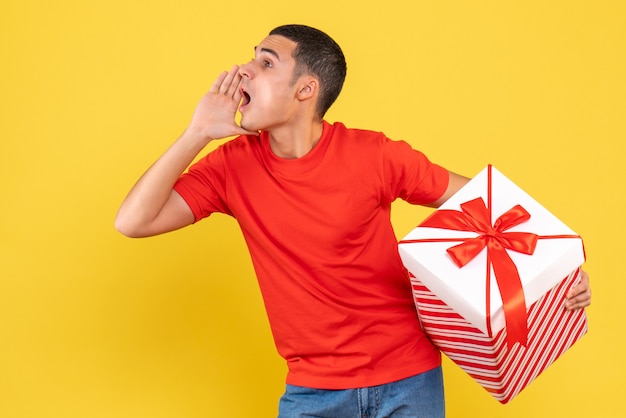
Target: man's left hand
x: 579, y: 296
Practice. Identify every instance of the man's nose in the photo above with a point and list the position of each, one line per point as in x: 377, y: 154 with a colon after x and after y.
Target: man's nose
x: 245, y: 70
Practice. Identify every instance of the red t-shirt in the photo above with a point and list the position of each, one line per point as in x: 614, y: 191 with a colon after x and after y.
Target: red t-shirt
x: 318, y: 230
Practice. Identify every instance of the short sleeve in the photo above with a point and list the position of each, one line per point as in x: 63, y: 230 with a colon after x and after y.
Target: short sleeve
x: 410, y: 175
x: 203, y: 186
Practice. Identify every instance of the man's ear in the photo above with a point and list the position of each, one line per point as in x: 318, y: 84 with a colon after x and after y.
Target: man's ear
x: 309, y: 88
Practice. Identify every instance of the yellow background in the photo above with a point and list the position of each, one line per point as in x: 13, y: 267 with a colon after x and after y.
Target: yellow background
x: 93, y: 324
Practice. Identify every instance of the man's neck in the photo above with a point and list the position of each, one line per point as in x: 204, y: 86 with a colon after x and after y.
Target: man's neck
x: 295, y: 141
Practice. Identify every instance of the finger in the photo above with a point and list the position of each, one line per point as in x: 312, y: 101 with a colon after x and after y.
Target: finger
x: 576, y: 290
x: 581, y: 299
x: 215, y: 88
x: 577, y: 303
x: 226, y: 87
x: 581, y: 287
x: 234, y: 89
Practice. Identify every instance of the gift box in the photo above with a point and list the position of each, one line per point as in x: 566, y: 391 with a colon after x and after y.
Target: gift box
x: 490, y: 270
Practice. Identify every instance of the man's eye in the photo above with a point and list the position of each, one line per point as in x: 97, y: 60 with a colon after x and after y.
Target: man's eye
x: 267, y: 63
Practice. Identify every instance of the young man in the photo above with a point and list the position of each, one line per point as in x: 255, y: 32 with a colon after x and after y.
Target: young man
x: 313, y: 202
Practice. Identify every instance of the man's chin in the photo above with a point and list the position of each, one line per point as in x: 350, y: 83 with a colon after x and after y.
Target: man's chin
x: 248, y: 126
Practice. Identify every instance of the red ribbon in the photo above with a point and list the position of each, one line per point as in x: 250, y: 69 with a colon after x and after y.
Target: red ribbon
x: 475, y: 217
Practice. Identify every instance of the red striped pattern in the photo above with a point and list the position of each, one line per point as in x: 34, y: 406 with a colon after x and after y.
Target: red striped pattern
x: 501, y: 371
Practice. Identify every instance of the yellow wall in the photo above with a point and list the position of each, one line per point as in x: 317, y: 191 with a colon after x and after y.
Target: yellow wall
x: 93, y: 324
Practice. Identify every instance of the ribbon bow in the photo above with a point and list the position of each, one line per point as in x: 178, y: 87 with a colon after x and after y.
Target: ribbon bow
x: 475, y: 217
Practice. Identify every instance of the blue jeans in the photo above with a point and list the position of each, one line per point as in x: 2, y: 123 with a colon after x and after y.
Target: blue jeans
x: 414, y: 397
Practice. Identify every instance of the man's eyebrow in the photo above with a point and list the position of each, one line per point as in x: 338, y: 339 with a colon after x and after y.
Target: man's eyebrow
x: 267, y: 50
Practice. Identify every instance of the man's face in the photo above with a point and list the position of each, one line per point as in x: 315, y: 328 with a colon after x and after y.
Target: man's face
x: 269, y: 93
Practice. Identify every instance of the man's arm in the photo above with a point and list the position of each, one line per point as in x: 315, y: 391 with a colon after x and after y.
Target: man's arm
x: 152, y: 206
x: 455, y: 182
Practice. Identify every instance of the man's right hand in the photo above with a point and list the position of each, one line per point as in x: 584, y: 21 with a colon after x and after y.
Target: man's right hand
x: 214, y: 117
x: 152, y: 206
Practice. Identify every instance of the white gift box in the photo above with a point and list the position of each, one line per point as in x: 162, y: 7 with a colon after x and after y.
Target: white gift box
x: 501, y: 345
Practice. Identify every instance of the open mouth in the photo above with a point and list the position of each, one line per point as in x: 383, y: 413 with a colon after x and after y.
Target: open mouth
x: 245, y: 97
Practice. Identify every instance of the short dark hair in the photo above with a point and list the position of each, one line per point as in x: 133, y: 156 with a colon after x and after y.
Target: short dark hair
x: 317, y: 54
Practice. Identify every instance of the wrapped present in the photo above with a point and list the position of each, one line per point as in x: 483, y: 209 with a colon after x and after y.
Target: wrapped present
x: 490, y: 270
